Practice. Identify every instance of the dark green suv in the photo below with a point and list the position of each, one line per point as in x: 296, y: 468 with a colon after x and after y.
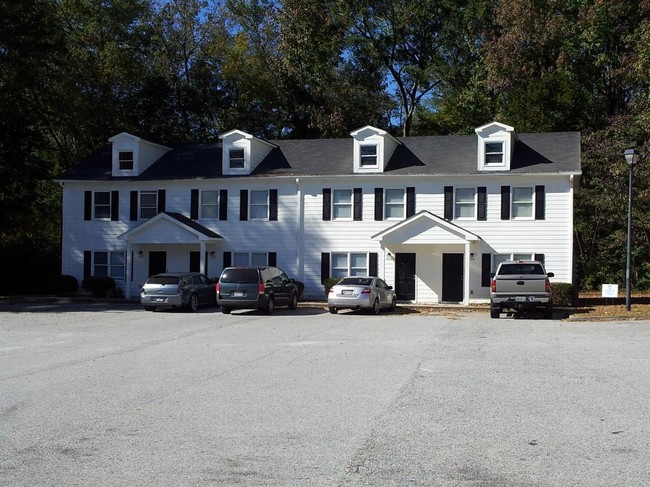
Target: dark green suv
x: 263, y: 288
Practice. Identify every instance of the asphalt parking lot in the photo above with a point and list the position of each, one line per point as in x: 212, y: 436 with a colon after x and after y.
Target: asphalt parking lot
x: 111, y: 395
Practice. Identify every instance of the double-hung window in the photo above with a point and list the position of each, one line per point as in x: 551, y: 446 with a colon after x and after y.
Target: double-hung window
x: 109, y: 264
x: 250, y: 258
x: 102, y: 205
x: 349, y: 264
x: 236, y: 158
x: 368, y: 155
x: 465, y: 206
x: 342, y: 204
x: 209, y: 204
x: 148, y: 204
x: 394, y: 204
x: 125, y: 161
x: 522, y: 202
x: 493, y: 153
x: 259, y: 205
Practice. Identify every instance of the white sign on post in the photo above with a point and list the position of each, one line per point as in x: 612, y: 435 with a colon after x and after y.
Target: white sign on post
x: 610, y: 291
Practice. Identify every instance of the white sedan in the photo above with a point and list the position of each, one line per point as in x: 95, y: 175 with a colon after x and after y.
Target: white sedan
x: 355, y: 292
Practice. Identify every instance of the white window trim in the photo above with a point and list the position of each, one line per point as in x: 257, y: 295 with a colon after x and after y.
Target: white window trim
x: 350, y: 204
x: 120, y: 160
x: 202, y: 205
x: 249, y: 258
x: 349, y: 269
x: 386, y: 217
x: 250, y: 205
x: 474, y: 204
x: 243, y: 158
x: 108, y: 264
x: 110, y: 209
x: 510, y: 256
x: 532, y: 204
x: 140, y: 207
x: 369, y: 166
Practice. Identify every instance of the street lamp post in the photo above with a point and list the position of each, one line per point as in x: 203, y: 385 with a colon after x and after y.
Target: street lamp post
x: 632, y: 157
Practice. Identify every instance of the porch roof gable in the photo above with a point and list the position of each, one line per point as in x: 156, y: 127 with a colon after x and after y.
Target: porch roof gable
x: 425, y: 228
x: 170, y: 227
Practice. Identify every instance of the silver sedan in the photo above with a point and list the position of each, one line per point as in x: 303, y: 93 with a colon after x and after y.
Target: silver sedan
x: 354, y: 292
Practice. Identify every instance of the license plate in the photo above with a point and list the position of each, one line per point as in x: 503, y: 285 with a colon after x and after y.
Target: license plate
x: 158, y: 300
x: 347, y: 293
x: 520, y: 299
x: 238, y: 294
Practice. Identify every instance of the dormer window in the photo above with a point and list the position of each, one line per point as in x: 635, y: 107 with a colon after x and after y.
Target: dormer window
x: 494, y: 153
x: 236, y: 159
x: 125, y: 161
x: 368, y: 155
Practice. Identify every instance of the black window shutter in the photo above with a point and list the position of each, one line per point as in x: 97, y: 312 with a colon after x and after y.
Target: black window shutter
x: 194, y: 204
x: 486, y: 269
x: 327, y: 204
x: 273, y: 205
x: 88, y: 205
x: 223, y: 204
x: 449, y: 202
x: 273, y: 258
x: 243, y: 204
x: 134, y: 206
x: 161, y: 200
x: 358, y: 204
x: 410, y: 202
x: 540, y: 203
x: 88, y: 256
x: 539, y: 257
x: 379, y: 204
x: 373, y: 267
x: 115, y: 205
x: 505, y: 202
x: 227, y: 259
x: 481, y: 203
x: 324, y: 267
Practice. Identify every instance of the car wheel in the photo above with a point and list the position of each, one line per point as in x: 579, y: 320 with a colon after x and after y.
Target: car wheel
x: 225, y: 310
x: 393, y: 304
x: 495, y: 312
x: 270, y: 306
x: 293, y: 304
x: 149, y: 308
x: 333, y: 310
x: 193, y: 304
x: 375, y: 307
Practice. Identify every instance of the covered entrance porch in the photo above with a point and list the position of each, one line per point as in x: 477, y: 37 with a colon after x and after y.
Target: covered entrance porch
x: 429, y: 260
x: 168, y: 242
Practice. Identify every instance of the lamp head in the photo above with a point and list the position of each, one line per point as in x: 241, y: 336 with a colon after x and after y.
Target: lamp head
x: 632, y: 156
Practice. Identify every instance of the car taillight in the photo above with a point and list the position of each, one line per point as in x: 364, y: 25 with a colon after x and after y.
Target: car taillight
x: 331, y: 290
x: 548, y: 286
x: 493, y: 285
x: 366, y: 290
x: 260, y: 288
x: 217, y: 288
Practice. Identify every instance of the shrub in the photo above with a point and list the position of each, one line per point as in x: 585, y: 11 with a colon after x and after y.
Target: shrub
x: 62, y: 284
x: 329, y: 283
x: 564, y: 294
x: 99, y: 286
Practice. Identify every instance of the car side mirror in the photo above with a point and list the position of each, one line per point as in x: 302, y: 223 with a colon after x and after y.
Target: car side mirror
x: 389, y: 287
x: 550, y: 274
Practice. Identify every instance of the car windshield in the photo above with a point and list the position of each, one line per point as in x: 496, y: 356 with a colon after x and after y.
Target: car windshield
x: 162, y: 280
x: 240, y: 276
x: 512, y: 269
x: 355, y: 281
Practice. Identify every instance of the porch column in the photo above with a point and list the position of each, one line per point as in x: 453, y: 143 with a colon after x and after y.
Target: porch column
x: 127, y: 271
x: 202, y: 257
x: 466, y: 273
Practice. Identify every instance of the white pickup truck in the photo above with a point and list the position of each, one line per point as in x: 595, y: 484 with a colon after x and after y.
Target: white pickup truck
x: 519, y: 286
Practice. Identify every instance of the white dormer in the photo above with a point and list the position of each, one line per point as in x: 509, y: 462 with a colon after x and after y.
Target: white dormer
x: 373, y: 148
x: 242, y: 152
x: 131, y: 155
x: 496, y: 141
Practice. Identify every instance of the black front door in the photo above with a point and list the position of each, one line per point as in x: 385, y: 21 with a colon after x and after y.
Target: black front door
x: 157, y: 262
x: 405, y: 272
x: 452, y: 278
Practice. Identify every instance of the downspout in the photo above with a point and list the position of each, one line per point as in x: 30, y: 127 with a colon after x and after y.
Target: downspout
x: 301, y: 231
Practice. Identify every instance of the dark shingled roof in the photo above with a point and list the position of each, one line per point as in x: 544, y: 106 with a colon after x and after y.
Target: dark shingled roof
x: 555, y: 152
